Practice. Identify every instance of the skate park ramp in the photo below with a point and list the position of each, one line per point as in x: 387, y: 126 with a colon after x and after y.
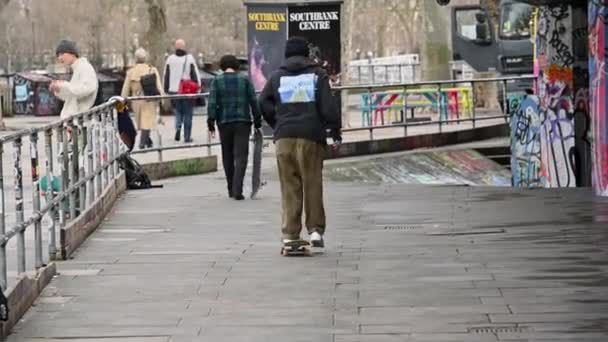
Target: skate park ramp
x: 433, y: 167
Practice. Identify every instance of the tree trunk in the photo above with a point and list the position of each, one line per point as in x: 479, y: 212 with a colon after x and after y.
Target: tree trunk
x: 3, y: 4
x: 348, y: 9
x: 435, y: 47
x: 154, y: 39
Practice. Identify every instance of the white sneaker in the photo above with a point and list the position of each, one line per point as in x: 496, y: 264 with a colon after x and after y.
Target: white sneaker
x: 316, y: 240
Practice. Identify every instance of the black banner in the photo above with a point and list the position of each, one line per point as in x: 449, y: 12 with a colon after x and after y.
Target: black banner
x: 266, y: 36
x: 320, y: 24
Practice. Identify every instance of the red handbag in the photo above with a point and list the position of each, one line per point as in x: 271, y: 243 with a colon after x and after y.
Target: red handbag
x: 187, y: 86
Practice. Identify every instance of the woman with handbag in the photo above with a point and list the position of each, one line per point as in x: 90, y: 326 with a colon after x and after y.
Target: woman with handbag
x: 143, y: 80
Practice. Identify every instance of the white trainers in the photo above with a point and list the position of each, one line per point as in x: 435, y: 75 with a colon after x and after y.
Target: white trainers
x: 316, y: 240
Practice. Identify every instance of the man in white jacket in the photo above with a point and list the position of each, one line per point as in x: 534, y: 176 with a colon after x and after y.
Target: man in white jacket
x: 181, y: 66
x: 80, y: 92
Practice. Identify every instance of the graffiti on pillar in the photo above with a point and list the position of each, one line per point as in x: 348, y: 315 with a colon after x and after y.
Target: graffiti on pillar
x: 525, y: 144
x: 556, y: 59
x: 598, y: 93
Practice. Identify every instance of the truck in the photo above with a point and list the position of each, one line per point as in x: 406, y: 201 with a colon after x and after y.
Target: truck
x: 510, y: 51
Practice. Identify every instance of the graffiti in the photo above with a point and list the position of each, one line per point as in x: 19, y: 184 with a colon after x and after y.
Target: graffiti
x: 556, y: 98
x: 560, y: 74
x: 598, y: 93
x: 525, y: 144
x: 23, y: 90
x: 562, y: 50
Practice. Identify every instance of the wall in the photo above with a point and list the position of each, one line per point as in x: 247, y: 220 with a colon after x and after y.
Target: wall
x: 598, y: 94
x: 556, y: 60
x: 525, y: 144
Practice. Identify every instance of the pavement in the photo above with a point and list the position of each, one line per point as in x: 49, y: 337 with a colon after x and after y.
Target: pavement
x: 402, y: 263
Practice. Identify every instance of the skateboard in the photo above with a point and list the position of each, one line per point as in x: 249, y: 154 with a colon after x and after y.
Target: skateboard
x: 296, y: 247
x: 258, y: 145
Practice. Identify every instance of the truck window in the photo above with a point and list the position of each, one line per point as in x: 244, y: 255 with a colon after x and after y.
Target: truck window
x: 515, y: 21
x: 473, y: 25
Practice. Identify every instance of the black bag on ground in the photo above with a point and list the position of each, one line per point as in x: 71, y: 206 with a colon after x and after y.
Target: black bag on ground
x: 148, y: 84
x: 137, y: 178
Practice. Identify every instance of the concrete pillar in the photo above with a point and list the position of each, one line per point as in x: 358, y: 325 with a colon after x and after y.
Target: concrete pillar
x: 562, y: 64
x: 598, y: 94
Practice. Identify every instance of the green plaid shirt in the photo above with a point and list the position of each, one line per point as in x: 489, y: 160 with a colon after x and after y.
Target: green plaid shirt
x: 232, y: 99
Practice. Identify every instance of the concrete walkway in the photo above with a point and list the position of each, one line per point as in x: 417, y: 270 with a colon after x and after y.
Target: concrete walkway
x: 402, y: 263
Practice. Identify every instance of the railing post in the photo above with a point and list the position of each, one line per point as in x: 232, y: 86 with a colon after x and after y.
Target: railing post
x: 473, y: 102
x: 160, y: 146
x: 90, y: 159
x: 48, y: 137
x: 104, y: 151
x: 3, y: 269
x: 72, y: 168
x: 97, y: 147
x: 404, y: 114
x: 109, y: 131
x: 36, y: 200
x: 440, y: 106
x: 370, y: 119
x: 63, y: 180
x: 208, y: 144
x: 19, y: 206
x: 115, y: 142
x: 505, y: 102
x: 81, y: 168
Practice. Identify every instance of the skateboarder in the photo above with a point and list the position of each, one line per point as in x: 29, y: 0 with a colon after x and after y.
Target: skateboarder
x: 297, y: 102
x: 233, y: 104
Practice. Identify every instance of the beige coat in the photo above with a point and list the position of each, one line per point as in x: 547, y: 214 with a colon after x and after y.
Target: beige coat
x: 145, y: 111
x: 80, y: 92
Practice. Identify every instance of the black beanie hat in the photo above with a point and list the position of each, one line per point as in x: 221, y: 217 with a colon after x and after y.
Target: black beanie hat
x: 66, y: 46
x: 296, y: 46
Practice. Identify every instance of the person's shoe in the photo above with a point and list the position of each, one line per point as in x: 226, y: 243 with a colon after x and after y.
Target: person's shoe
x: 178, y: 135
x: 189, y: 140
x: 239, y: 197
x: 316, y: 240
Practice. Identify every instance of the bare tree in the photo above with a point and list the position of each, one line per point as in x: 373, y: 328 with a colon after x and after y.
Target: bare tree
x: 154, y: 37
x: 3, y: 4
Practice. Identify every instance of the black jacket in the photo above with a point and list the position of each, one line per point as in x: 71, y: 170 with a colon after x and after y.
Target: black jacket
x: 297, y: 102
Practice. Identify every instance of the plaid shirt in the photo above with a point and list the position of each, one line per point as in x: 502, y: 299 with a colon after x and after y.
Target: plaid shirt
x: 232, y: 99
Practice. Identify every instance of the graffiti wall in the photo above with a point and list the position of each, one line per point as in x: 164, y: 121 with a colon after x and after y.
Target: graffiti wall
x: 556, y: 61
x: 525, y: 144
x: 598, y: 93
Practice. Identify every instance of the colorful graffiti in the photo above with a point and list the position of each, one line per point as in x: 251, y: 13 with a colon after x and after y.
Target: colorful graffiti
x: 525, y: 144
x: 556, y: 59
x: 598, y: 94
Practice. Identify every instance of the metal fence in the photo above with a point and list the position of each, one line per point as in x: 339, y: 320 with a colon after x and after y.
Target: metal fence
x: 63, y: 178
x: 369, y: 105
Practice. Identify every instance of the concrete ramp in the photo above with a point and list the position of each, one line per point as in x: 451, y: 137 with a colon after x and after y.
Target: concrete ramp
x: 452, y: 167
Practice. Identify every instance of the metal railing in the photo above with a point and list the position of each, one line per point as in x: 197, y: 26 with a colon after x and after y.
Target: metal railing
x: 406, y: 89
x: 368, y: 89
x: 80, y: 160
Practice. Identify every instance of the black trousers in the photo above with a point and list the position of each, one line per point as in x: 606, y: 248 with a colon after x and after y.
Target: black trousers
x: 235, y: 151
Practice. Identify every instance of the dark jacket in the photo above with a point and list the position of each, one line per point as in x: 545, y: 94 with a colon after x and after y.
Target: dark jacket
x: 297, y: 101
x: 232, y: 99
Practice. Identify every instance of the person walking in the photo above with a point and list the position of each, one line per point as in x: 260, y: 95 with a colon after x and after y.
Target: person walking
x: 298, y: 104
x: 143, y: 80
x: 233, y: 106
x: 182, y: 77
x: 79, y: 93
